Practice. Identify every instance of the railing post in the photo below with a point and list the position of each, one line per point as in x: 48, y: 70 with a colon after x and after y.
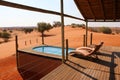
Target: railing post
x: 25, y: 43
x: 16, y: 46
x: 91, y: 36
x: 67, y: 49
x: 30, y: 41
x: 84, y: 40
x: 86, y: 35
x: 36, y: 40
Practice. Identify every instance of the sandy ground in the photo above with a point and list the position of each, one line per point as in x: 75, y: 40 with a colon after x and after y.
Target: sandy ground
x: 8, y: 70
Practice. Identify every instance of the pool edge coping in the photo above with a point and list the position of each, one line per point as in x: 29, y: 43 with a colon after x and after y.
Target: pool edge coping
x: 30, y: 51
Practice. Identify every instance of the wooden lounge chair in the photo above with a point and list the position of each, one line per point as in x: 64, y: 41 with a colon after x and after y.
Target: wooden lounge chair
x: 88, y: 51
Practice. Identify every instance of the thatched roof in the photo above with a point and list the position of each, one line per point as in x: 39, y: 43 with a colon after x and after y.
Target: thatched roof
x: 99, y: 10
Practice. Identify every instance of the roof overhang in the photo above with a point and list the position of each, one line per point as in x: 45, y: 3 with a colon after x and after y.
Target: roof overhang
x: 99, y: 10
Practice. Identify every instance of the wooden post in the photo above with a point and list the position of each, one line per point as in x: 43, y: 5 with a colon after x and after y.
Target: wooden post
x: 16, y: 46
x: 30, y: 41
x: 84, y: 40
x: 25, y: 43
x: 62, y: 32
x: 86, y: 33
x: 36, y: 40
x: 67, y: 49
x: 91, y: 36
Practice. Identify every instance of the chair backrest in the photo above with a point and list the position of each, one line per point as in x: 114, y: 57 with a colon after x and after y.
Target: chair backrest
x: 97, y: 47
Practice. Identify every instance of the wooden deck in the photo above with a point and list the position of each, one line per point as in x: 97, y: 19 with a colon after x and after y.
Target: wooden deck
x: 80, y: 68
x: 34, y: 67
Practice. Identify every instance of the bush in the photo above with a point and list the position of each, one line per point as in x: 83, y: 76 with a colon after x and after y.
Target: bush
x: 10, y: 31
x: 93, y: 29
x: 106, y: 30
x: 73, y: 25
x: 57, y: 24
x: 5, y: 36
x: 77, y: 25
x: 4, y: 30
x: 117, y: 31
x: 27, y: 30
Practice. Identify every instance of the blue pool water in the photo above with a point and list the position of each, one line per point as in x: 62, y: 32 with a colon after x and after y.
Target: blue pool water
x: 51, y: 49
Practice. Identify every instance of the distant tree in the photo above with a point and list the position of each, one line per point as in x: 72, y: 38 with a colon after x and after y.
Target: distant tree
x: 42, y: 27
x: 106, y: 30
x: 5, y: 36
x: 77, y: 25
x: 10, y: 31
x: 93, y: 29
x: 73, y: 25
x: 83, y: 26
x: 57, y: 24
x: 4, y: 30
x: 117, y: 31
x: 28, y: 30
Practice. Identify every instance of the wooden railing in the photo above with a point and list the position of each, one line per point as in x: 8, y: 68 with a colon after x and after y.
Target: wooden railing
x: 66, y: 49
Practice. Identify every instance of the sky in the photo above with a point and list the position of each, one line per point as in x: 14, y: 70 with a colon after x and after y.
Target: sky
x: 10, y: 17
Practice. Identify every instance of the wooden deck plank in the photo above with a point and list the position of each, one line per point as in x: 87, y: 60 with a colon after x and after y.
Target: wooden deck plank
x: 34, y: 67
x: 66, y: 70
x: 77, y: 68
x: 55, y: 72
x: 71, y: 74
x: 43, y: 71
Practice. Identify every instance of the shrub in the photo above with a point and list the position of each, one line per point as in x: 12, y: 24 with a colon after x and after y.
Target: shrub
x: 93, y: 29
x: 73, y: 25
x: 10, y: 31
x: 4, y: 30
x: 77, y: 25
x: 84, y: 27
x: 5, y: 36
x: 57, y: 24
x: 28, y: 30
x: 117, y: 31
x: 106, y: 30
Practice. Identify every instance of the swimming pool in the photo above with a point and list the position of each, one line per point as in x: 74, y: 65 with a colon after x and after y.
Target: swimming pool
x: 51, y: 49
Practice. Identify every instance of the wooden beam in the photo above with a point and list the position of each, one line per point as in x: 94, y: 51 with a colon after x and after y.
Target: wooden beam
x: 103, y: 10
x: 79, y: 8
x: 91, y: 9
x: 114, y: 9
x: 105, y: 21
x: 20, y: 6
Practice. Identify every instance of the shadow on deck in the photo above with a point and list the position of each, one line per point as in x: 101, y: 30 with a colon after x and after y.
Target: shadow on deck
x: 107, y: 67
x: 34, y: 67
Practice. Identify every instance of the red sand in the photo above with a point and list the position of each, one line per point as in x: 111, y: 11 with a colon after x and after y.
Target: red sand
x: 8, y: 68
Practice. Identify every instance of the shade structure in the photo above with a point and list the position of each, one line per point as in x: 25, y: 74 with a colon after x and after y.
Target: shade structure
x: 25, y: 7
x: 92, y: 11
x: 99, y: 10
